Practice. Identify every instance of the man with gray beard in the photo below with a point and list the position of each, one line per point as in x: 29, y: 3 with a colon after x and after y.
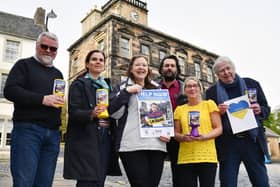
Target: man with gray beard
x: 36, y: 118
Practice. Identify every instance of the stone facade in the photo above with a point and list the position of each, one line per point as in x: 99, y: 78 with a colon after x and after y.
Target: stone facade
x: 121, y: 31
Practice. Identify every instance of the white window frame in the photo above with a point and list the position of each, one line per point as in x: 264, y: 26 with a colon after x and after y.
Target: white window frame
x: 3, y: 80
x: 209, y: 74
x: 12, y: 52
x: 125, y: 50
x: 197, y: 70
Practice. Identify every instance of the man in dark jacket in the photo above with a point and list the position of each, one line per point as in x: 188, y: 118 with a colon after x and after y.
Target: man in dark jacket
x: 248, y: 147
x: 170, y: 70
x: 36, y: 119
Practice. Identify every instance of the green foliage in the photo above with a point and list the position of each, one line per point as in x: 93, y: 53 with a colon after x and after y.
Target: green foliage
x: 64, y: 117
x: 273, y: 122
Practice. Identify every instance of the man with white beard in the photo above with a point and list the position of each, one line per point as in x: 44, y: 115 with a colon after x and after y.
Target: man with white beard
x: 36, y: 118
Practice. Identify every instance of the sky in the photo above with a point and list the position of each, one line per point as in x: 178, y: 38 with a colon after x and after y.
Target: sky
x: 247, y: 31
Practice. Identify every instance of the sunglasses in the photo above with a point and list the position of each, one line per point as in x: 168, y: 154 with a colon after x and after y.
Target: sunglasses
x: 46, y: 47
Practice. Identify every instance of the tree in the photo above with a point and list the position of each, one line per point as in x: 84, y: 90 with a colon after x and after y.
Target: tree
x: 64, y: 118
x: 273, y: 122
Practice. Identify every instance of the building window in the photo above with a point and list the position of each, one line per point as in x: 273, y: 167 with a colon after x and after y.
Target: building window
x: 8, y: 139
x: 181, y: 61
x: 162, y: 54
x: 101, y: 45
x: 197, y: 70
x: 124, y: 47
x: 1, y: 133
x: 3, y: 82
x: 209, y: 74
x: 145, y: 49
x: 12, y: 51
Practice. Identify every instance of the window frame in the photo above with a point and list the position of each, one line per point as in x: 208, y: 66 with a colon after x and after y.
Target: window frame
x: 197, y: 69
x: 2, y: 84
x: 210, y: 75
x: 12, y: 53
x: 125, y: 51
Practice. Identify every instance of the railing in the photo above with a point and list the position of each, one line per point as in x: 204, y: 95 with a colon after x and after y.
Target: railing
x: 137, y: 3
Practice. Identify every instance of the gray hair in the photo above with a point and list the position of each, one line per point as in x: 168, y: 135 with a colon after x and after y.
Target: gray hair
x: 220, y: 60
x: 47, y: 34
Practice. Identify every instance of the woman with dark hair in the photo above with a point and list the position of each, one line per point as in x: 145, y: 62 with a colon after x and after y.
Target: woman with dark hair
x: 142, y: 158
x: 89, y: 155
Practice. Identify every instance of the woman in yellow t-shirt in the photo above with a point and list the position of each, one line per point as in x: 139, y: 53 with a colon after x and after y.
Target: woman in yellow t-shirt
x: 197, y: 124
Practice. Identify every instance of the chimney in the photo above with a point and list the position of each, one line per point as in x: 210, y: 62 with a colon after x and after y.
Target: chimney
x: 39, y: 17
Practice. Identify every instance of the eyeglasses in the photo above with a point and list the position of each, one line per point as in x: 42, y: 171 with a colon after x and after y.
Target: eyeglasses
x: 192, y: 86
x: 46, y: 47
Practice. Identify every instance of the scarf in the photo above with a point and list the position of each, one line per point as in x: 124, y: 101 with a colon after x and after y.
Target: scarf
x: 223, y: 95
x: 98, y: 83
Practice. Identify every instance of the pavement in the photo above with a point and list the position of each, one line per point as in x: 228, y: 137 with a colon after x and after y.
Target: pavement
x: 243, y: 180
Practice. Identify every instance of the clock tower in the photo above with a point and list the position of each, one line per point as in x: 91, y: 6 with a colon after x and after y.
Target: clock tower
x: 132, y: 10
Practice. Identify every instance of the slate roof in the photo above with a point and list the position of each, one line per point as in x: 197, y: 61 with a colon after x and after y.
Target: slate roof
x: 19, y: 26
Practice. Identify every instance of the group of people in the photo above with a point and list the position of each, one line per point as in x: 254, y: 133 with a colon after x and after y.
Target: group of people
x: 94, y: 144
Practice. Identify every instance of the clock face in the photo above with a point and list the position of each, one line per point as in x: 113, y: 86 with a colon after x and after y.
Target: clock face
x: 134, y: 16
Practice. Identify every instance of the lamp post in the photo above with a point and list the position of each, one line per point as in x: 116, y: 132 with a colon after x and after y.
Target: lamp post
x: 51, y: 14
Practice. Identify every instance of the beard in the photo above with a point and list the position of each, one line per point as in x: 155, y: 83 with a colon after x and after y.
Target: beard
x: 46, y: 60
x: 169, y: 76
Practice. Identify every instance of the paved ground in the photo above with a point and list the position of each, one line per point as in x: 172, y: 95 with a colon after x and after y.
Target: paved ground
x: 5, y: 177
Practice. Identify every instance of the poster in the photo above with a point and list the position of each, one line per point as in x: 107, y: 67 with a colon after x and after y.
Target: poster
x: 240, y: 115
x: 155, y: 113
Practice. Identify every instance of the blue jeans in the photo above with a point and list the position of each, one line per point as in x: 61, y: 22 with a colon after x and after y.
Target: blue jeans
x: 34, y: 152
x: 246, y: 151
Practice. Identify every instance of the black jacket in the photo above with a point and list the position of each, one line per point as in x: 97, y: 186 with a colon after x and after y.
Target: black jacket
x: 223, y: 142
x: 81, y: 158
x: 28, y: 82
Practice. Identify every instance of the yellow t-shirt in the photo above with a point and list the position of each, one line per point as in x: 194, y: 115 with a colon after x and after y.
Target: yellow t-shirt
x: 197, y: 151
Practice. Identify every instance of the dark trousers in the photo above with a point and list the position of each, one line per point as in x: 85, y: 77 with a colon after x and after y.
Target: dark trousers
x: 143, y: 168
x: 189, y: 174
x: 249, y: 152
x: 104, y: 136
x: 89, y: 184
x: 172, y: 150
x: 34, y: 151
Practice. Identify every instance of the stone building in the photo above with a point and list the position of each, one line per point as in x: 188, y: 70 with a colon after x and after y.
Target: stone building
x: 121, y: 30
x: 273, y: 143
x: 17, y: 40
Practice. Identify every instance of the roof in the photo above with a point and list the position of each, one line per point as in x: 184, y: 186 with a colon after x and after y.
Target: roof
x: 270, y: 133
x: 19, y: 26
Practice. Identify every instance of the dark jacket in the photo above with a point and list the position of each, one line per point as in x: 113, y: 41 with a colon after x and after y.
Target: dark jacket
x: 223, y: 142
x: 118, y: 108
x: 27, y: 84
x: 81, y: 158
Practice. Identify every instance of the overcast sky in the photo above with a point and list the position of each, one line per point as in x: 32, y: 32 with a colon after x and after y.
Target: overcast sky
x: 247, y: 31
